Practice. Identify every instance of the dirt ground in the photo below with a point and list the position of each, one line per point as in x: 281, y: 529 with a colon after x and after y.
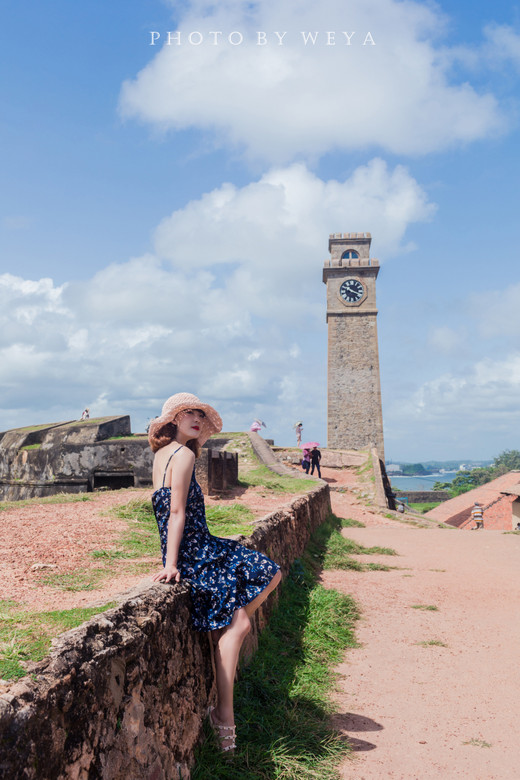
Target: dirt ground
x: 431, y: 693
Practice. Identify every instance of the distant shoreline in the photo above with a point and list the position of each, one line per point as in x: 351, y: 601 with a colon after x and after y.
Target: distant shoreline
x: 420, y: 481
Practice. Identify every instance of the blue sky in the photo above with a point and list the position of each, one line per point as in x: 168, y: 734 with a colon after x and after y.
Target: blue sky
x: 165, y: 211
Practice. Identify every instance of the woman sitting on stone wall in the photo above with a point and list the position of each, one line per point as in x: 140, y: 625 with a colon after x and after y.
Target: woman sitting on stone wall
x: 228, y: 581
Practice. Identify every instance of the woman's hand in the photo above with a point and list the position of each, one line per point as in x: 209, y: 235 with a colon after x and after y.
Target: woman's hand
x: 168, y: 574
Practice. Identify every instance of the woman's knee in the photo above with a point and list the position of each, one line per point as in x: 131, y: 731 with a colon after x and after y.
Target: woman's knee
x: 274, y: 582
x: 241, y: 624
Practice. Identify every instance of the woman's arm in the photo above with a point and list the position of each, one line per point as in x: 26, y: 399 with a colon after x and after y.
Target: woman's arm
x: 181, y: 471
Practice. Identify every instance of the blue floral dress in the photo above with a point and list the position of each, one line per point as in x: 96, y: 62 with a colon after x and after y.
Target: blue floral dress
x: 223, y: 574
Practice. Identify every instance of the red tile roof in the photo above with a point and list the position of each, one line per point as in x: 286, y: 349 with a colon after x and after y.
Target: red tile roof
x: 496, y: 498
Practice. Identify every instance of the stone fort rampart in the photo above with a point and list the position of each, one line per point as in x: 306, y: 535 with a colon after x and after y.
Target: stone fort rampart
x: 125, y: 694
x: 81, y: 456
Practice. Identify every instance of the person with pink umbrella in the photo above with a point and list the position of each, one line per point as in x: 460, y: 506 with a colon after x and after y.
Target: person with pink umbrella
x: 314, y: 457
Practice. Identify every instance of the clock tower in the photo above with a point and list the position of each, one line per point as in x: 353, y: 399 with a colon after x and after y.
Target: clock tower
x: 354, y: 414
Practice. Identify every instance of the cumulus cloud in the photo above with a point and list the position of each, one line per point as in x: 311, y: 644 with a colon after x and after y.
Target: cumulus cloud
x: 499, y: 50
x: 467, y: 382
x: 498, y: 314
x: 290, y: 210
x: 281, y: 102
x: 486, y: 395
x: 230, y: 304
x: 502, y: 45
x: 447, y: 340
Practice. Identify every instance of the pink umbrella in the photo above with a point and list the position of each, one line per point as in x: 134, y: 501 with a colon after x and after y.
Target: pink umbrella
x: 310, y: 445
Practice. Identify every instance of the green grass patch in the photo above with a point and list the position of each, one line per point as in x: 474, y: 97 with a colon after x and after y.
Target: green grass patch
x: 478, y: 743
x: 93, y: 421
x: 229, y: 520
x: 31, y: 428
x: 76, y: 581
x: 432, y: 643
x: 27, y: 636
x: 128, y: 437
x: 31, y: 447
x: 425, y: 607
x: 282, y: 699
x: 337, y: 552
x: 366, y: 466
x: 278, y: 483
x: 347, y: 522
x: 141, y: 539
x: 59, y: 498
x: 425, y: 507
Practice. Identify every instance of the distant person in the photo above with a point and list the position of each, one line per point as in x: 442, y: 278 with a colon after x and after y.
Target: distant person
x: 315, y: 460
x: 86, y: 414
x: 306, y: 461
x: 477, y: 514
x: 298, y: 427
x: 257, y: 425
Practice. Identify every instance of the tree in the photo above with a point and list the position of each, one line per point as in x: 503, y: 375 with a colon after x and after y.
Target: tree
x: 509, y: 460
x: 413, y: 469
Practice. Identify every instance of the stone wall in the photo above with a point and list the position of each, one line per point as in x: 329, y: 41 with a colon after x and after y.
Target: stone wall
x: 334, y: 459
x: 123, y: 696
x: 383, y: 494
x: 216, y: 470
x: 422, y: 496
x: 84, y: 456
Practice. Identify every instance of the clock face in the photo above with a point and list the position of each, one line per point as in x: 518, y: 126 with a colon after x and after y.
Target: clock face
x: 351, y: 290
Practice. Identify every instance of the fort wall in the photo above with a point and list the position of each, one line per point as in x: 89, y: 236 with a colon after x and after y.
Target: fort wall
x: 125, y: 694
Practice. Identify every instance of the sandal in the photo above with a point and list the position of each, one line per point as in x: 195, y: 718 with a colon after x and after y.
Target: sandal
x: 224, y: 734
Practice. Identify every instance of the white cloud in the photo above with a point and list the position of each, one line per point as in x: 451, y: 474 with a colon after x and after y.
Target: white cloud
x: 485, y: 396
x: 497, y: 313
x: 289, y: 212
x: 500, y: 49
x: 281, y: 102
x: 502, y: 45
x: 231, y: 305
x: 447, y: 340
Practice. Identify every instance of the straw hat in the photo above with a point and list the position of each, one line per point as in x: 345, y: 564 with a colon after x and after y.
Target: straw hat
x: 179, y: 403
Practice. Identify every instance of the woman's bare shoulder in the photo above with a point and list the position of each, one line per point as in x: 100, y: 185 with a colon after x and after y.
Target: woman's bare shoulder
x: 185, y: 455
x: 166, y: 456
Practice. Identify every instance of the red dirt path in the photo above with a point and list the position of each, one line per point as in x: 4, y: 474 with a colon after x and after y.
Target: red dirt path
x: 413, y: 712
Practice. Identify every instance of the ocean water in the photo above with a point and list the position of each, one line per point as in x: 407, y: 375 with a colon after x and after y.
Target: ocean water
x: 421, y: 483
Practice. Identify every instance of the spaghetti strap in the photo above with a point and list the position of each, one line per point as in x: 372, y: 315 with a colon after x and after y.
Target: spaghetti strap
x: 168, y: 463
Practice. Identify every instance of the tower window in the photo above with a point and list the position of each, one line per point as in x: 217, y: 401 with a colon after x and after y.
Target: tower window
x: 350, y: 254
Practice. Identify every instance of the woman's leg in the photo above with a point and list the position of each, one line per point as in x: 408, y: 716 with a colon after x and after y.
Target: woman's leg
x: 230, y: 640
x: 227, y: 650
x: 253, y: 605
